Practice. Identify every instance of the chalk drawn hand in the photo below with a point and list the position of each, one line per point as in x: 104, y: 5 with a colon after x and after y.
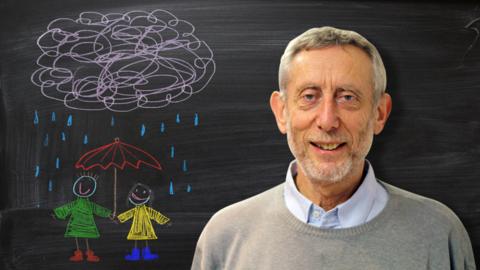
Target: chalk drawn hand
x: 169, y: 224
x: 53, y: 216
x: 113, y: 219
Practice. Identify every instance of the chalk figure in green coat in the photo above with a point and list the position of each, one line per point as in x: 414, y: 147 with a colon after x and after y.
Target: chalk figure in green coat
x: 81, y: 211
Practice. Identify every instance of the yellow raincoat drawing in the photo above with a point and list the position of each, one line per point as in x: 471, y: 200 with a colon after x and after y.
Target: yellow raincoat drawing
x: 142, y: 228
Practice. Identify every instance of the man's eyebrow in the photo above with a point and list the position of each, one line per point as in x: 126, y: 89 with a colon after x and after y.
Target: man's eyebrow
x: 349, y: 87
x: 308, y: 86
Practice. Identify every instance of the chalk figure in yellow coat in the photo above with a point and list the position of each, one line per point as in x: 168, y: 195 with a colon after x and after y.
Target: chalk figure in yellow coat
x: 142, y: 228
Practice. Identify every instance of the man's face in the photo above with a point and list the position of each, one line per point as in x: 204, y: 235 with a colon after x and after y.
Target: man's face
x: 329, y: 114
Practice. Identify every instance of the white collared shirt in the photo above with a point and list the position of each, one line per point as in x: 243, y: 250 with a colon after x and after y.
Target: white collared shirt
x: 367, y: 202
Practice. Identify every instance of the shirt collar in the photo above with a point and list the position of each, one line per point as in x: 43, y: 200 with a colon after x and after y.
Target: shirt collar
x: 353, y: 212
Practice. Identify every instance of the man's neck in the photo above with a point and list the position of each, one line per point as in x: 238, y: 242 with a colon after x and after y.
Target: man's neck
x: 328, y: 195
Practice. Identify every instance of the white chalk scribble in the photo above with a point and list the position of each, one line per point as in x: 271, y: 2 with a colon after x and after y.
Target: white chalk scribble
x: 122, y: 62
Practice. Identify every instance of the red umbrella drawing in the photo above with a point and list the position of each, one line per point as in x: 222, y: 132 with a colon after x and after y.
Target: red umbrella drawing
x: 117, y: 155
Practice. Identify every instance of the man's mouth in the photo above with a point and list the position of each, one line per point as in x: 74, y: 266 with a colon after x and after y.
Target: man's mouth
x: 328, y: 146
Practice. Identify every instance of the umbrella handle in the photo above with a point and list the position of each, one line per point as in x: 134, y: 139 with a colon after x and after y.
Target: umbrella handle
x: 114, y: 192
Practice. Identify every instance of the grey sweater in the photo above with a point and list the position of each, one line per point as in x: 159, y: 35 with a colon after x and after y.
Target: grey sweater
x: 412, y: 232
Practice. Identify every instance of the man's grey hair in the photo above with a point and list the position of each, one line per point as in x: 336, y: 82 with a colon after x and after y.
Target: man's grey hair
x: 326, y: 36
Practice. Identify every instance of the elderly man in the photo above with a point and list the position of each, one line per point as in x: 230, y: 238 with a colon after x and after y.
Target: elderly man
x: 332, y: 212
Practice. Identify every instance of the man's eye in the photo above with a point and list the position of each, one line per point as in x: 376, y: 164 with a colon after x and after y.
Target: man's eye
x: 347, y: 98
x: 309, y: 97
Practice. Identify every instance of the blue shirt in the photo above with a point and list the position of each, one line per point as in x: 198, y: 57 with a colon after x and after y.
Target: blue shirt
x: 366, y: 203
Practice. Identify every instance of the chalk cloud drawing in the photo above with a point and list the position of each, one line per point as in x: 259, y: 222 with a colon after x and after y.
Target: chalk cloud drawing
x: 122, y: 62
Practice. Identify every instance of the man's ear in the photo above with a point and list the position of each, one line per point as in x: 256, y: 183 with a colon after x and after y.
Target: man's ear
x: 277, y: 104
x: 383, y: 110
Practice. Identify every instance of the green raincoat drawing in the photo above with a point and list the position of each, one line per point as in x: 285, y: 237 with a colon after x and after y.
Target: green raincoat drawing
x: 82, y: 212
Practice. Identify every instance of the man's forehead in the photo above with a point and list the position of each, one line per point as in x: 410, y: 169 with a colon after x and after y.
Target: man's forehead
x: 349, y: 65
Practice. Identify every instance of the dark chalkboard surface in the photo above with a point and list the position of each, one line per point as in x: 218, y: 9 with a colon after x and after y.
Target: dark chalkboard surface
x: 204, y: 114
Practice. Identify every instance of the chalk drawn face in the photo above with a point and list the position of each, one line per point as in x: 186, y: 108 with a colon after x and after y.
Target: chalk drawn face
x: 84, y: 186
x: 140, y: 194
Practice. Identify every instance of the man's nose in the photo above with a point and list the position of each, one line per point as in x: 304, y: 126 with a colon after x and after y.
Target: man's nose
x: 327, y: 115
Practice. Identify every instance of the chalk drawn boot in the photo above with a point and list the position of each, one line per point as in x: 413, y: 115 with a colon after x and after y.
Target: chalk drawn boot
x: 134, y: 256
x: 77, y: 256
x: 91, y: 257
x: 147, y: 255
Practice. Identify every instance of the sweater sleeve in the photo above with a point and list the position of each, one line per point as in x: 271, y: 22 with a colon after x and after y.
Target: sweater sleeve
x: 212, y: 244
x: 204, y: 257
x: 460, y: 249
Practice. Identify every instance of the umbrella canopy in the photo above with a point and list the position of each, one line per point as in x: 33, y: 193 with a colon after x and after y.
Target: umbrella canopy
x: 117, y: 154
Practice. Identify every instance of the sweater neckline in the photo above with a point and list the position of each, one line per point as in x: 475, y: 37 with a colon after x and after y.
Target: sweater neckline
x: 291, y: 221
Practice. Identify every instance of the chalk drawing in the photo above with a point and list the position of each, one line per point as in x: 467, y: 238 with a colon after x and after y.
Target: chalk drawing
x: 35, y: 118
x: 117, y: 155
x: 195, y: 120
x: 142, y: 228
x: 122, y: 61
x: 45, y: 140
x: 81, y: 212
x: 171, y: 191
x: 37, y: 171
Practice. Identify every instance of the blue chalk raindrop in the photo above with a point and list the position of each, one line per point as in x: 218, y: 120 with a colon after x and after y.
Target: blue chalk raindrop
x: 195, y: 120
x: 45, y: 140
x: 37, y: 171
x: 177, y: 118
x: 69, y: 120
x: 63, y: 136
x: 189, y: 188
x: 142, y: 131
x: 172, y: 151
x: 162, y: 127
x: 171, y: 192
x: 54, y: 117
x: 85, y: 139
x: 35, y: 118
x: 112, y: 121
x: 57, y: 163
x: 184, y: 166
x: 50, y: 185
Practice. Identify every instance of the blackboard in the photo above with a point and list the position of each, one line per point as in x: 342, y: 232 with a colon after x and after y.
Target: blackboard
x: 221, y: 144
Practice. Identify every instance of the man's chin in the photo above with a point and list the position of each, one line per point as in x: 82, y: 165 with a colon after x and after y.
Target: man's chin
x: 326, y: 172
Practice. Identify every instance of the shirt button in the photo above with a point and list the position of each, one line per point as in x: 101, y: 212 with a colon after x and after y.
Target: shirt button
x: 316, y: 214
